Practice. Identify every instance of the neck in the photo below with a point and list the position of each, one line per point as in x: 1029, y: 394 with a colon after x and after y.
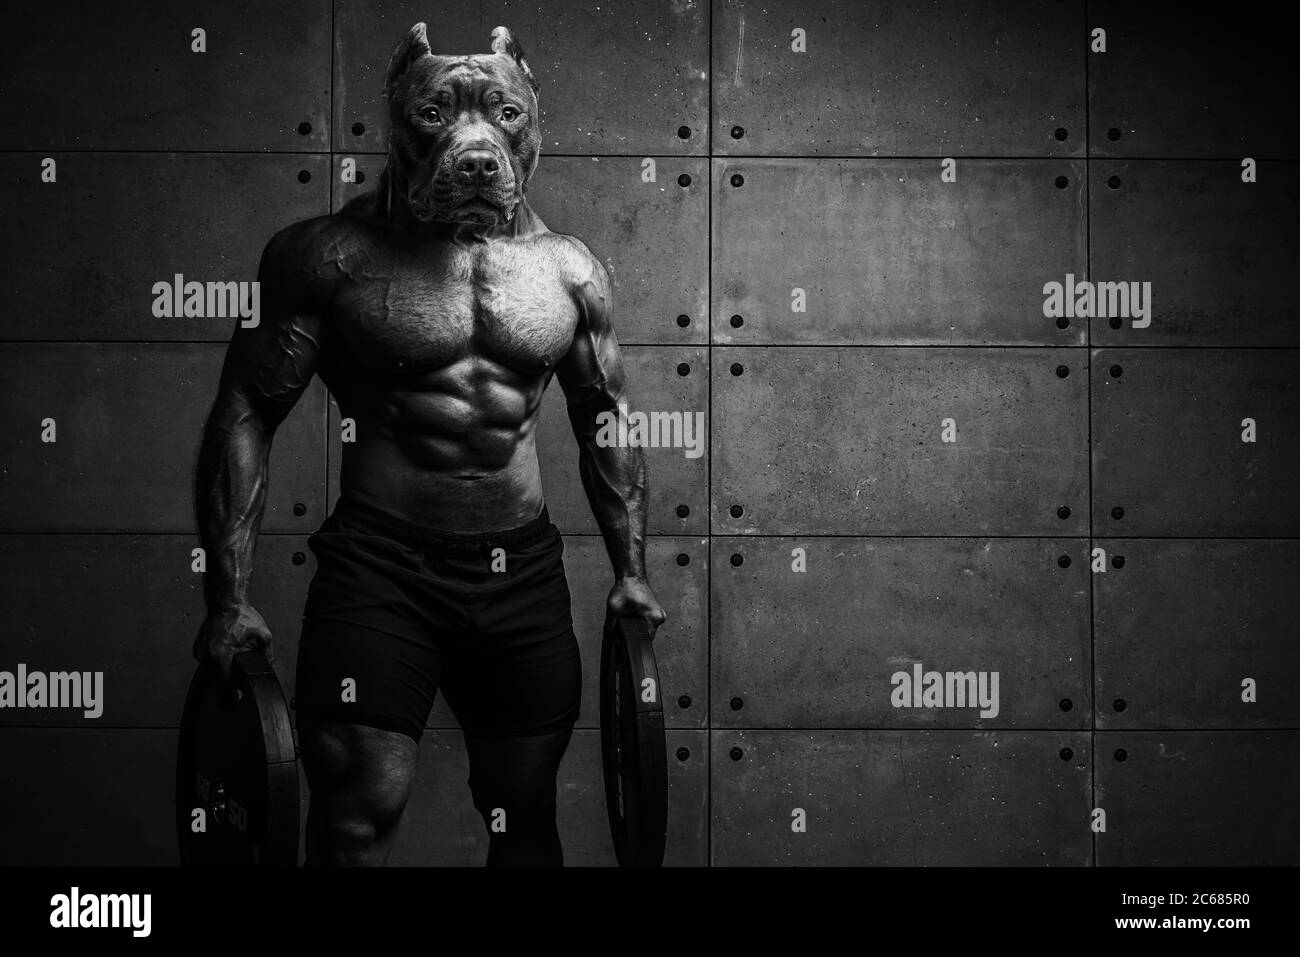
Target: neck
x: 394, y: 206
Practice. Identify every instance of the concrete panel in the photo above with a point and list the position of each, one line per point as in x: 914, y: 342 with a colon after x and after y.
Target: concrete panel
x: 442, y: 828
x: 129, y: 419
x: 1219, y: 253
x: 810, y: 441
x: 125, y: 77
x: 901, y: 798
x: 87, y: 798
x: 820, y: 648
x: 657, y: 384
x: 614, y: 78
x: 1182, y: 623
x: 899, y: 79
x: 1192, y: 80
x: 886, y: 253
x: 137, y: 609
x: 680, y: 645
x: 93, y: 244
x: 642, y: 232
x: 1167, y: 442
x: 1218, y: 799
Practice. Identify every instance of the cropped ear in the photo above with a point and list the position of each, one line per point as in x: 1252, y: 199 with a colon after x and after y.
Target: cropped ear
x: 412, y: 47
x: 503, y: 41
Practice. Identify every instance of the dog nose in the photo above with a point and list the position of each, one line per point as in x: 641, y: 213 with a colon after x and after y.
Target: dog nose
x: 477, y: 165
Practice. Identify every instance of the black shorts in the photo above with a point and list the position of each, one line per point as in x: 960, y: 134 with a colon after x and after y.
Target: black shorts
x: 402, y: 611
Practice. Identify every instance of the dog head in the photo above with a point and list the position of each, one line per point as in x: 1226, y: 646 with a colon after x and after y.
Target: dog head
x: 464, y: 137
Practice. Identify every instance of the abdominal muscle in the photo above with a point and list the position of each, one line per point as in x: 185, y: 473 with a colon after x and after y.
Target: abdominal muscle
x: 453, y: 450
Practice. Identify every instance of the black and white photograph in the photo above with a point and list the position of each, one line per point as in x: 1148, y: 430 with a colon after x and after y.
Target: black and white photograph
x: 850, y: 435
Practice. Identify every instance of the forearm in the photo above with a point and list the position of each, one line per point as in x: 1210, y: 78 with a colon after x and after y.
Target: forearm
x: 615, y: 479
x: 230, y: 492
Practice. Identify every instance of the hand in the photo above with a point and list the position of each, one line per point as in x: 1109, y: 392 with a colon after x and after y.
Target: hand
x: 632, y: 598
x: 230, y: 632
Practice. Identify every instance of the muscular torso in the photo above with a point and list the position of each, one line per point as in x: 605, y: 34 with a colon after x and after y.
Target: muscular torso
x: 439, y: 350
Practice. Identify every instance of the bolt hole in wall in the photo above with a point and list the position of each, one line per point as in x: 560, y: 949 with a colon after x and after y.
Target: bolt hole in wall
x: 995, y: 518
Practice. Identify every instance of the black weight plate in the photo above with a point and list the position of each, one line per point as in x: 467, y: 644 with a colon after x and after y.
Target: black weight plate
x: 633, y: 750
x: 236, y: 763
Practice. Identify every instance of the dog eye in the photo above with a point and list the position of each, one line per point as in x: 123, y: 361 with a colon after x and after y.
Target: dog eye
x: 509, y: 113
x: 430, y: 115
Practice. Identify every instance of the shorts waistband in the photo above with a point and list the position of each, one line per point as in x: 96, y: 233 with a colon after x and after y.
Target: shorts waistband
x: 393, y: 526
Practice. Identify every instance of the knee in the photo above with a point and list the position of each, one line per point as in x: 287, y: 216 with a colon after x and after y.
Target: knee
x: 372, y: 809
x: 359, y: 789
x: 354, y: 826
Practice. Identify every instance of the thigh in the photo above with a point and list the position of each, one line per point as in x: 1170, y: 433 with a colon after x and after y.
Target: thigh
x: 518, y: 717
x: 366, y: 655
x: 352, y: 675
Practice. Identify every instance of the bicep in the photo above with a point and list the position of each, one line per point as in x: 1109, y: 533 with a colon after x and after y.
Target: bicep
x: 268, y: 366
x: 591, y: 372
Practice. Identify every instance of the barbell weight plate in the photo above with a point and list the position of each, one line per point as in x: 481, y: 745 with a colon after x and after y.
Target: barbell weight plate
x: 633, y: 750
x: 237, y: 767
